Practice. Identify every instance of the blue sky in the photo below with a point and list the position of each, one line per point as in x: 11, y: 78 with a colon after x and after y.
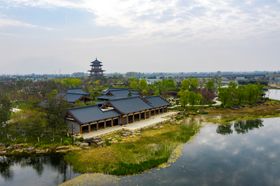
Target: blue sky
x: 63, y: 36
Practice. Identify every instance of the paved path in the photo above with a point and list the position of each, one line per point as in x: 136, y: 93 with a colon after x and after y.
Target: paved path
x: 132, y: 126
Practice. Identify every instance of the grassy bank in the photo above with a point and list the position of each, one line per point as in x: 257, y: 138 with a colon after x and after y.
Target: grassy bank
x: 270, y: 108
x: 134, y: 154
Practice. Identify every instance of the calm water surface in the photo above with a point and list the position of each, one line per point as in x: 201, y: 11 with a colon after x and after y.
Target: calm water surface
x: 34, y: 171
x: 242, y: 153
x: 273, y: 94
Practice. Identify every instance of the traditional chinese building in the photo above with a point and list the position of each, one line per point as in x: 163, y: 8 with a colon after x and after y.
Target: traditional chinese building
x: 96, y: 70
x: 118, y: 108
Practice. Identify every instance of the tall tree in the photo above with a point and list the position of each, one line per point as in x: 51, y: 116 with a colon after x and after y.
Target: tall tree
x: 189, y: 98
x: 190, y: 84
x: 143, y: 87
x: 133, y: 83
x: 210, y: 85
x: 5, y: 109
x: 56, y: 110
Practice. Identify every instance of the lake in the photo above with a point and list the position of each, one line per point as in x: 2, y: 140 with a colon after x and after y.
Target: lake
x: 273, y: 94
x: 241, y: 153
x: 34, y: 171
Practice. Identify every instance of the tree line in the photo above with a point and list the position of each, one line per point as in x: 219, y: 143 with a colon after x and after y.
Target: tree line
x: 240, y: 95
x: 194, y: 92
x: 48, y: 123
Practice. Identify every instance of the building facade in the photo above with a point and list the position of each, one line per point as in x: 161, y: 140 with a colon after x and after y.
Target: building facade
x: 120, y: 111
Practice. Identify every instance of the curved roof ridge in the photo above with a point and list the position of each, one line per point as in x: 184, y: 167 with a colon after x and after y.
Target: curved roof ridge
x: 132, y: 97
x: 82, y: 107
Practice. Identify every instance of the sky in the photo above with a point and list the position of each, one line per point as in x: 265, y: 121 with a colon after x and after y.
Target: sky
x: 64, y: 36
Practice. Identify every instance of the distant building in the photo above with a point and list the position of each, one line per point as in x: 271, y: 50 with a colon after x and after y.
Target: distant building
x: 117, y: 93
x: 72, y: 96
x: 151, y: 81
x: 96, y: 70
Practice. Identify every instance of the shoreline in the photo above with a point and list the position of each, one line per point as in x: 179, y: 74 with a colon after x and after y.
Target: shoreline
x: 177, y: 151
x: 161, y: 139
x: 268, y: 109
x: 27, y: 150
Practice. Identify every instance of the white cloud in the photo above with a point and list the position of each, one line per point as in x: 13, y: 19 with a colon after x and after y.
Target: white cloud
x: 6, y: 22
x: 214, y: 19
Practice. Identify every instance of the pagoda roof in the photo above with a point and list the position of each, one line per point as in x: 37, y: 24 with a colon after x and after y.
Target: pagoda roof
x: 96, y: 70
x: 96, y: 62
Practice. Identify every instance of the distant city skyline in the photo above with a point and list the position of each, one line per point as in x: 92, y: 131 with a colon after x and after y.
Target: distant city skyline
x: 64, y: 36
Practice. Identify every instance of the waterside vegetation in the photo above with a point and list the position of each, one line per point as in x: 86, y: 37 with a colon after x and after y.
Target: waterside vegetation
x: 269, y: 108
x: 134, y: 154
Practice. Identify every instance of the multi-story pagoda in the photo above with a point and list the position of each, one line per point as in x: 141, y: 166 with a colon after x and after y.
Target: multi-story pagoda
x: 96, y: 69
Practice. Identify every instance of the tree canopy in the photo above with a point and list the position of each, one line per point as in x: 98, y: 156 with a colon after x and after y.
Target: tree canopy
x: 235, y: 95
x: 5, y: 109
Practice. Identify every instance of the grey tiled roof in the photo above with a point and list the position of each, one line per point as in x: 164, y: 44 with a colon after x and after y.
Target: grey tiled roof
x: 129, y: 105
x: 105, y: 97
x: 157, y: 101
x: 72, y: 98
x: 117, y: 93
x: 76, y: 91
x: 112, y: 89
x: 73, y: 95
x: 91, y: 113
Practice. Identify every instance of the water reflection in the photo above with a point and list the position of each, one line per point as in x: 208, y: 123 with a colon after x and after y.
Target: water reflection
x: 273, y: 94
x: 50, y: 169
x: 5, y: 171
x: 231, y: 159
x: 240, y: 127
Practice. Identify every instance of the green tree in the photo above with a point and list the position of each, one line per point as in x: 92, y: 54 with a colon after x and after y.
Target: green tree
x: 70, y: 82
x: 234, y: 95
x: 184, y: 98
x: 189, y: 98
x: 210, y: 85
x: 95, y: 88
x: 143, y: 87
x: 133, y: 83
x: 190, y: 84
x: 224, y: 96
x: 5, y: 109
x: 55, y: 113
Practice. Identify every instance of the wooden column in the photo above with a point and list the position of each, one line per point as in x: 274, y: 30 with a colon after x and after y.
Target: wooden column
x: 112, y: 122
x: 89, y: 128
x: 133, y: 118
